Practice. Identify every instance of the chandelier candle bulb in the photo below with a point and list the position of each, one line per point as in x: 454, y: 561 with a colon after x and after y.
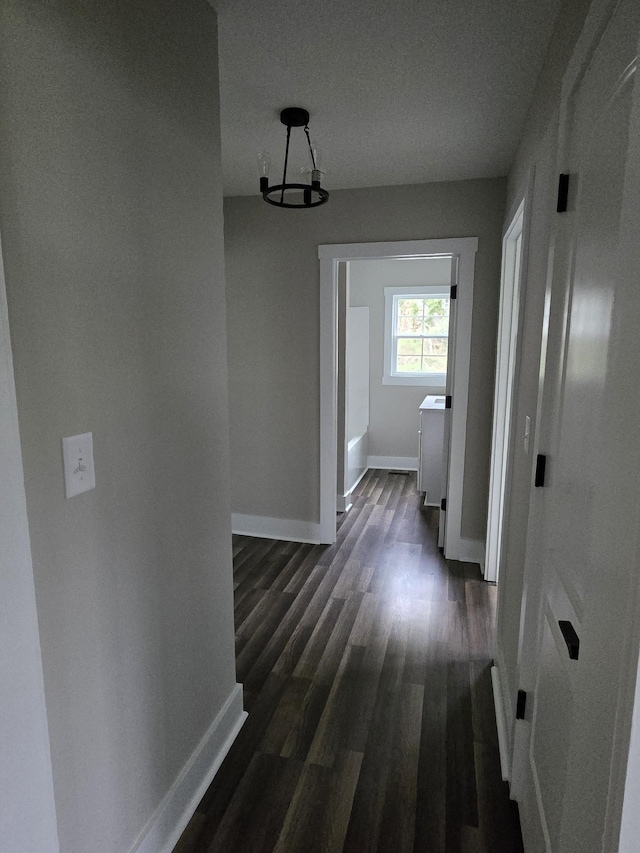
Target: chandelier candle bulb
x: 264, y: 166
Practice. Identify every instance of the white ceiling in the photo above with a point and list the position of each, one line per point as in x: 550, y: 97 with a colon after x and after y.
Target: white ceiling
x: 402, y: 91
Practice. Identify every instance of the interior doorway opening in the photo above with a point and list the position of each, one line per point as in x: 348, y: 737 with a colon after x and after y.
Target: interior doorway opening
x: 334, y: 259
x: 395, y: 345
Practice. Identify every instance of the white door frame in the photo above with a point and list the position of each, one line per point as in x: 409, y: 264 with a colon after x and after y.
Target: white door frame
x: 464, y: 248
x: 513, y: 266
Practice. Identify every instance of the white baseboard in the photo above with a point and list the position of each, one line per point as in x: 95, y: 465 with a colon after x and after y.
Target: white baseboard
x: 289, y: 530
x: 473, y: 551
x: 357, y: 481
x: 393, y: 463
x: 501, y: 723
x: 343, y: 503
x: 162, y: 832
x: 466, y: 550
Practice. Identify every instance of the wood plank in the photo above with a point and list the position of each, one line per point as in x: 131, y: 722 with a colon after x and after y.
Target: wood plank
x: 256, y: 632
x: 219, y: 794
x: 328, y: 661
x: 284, y: 718
x: 397, y: 825
x: 320, y: 636
x: 321, y: 830
x: 480, y: 601
x: 343, y: 704
x: 256, y: 813
x: 304, y: 727
x: 461, y: 791
x: 417, y: 642
x: 431, y: 812
x: 304, y: 570
x: 369, y: 798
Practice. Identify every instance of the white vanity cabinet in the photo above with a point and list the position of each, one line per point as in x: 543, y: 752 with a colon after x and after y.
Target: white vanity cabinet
x: 430, y: 448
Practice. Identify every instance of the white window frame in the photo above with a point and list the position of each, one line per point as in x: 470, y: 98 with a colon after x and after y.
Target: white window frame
x: 433, y: 381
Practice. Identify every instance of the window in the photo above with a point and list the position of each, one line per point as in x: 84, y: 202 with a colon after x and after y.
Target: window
x: 416, y: 336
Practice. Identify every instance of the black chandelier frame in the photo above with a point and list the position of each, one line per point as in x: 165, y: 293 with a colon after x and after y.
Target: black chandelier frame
x: 313, y: 195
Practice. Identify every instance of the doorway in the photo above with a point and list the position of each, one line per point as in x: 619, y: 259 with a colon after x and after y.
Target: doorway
x: 393, y: 350
x: 462, y: 252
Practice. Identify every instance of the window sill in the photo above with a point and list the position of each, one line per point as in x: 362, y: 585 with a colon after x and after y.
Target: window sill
x: 432, y: 384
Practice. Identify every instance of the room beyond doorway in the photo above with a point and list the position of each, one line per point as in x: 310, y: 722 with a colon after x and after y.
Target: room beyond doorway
x: 394, y: 318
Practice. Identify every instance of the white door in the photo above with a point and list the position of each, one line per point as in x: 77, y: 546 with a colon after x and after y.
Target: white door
x: 581, y: 664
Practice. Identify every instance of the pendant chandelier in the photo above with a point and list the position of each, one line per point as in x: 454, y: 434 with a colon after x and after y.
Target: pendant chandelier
x: 290, y: 194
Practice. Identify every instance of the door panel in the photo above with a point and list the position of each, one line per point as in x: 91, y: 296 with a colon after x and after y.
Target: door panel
x: 549, y: 746
x: 575, y: 701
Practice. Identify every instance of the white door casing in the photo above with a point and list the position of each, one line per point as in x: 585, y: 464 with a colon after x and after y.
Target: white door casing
x: 448, y: 416
x: 464, y: 249
x: 583, y: 561
x: 506, y: 359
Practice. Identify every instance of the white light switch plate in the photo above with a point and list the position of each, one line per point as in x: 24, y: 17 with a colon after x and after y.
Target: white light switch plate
x: 77, y: 456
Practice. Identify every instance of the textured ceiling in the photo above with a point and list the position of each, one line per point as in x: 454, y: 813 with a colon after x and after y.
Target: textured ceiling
x: 403, y: 91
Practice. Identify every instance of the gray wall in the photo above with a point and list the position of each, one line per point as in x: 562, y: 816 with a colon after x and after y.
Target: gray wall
x: 546, y: 98
x: 273, y: 329
x: 393, y: 409
x: 111, y: 218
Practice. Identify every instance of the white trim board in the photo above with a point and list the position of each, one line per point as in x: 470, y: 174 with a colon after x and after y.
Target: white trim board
x: 464, y: 250
x: 501, y: 723
x: 468, y: 551
x: 343, y: 503
x: 286, y: 529
x: 508, y: 357
x: 176, y: 809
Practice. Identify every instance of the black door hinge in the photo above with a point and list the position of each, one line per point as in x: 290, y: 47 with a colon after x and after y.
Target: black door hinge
x: 521, y: 705
x: 541, y: 466
x: 563, y: 193
x: 443, y: 504
x: 570, y: 637
x: 447, y: 401
x: 454, y: 291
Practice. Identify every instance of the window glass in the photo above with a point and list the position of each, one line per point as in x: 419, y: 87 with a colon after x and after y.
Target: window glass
x: 416, y: 335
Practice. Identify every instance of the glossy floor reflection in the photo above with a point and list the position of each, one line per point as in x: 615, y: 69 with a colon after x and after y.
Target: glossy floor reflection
x: 366, y: 669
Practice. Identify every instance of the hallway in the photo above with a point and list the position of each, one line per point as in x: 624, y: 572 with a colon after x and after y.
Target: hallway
x: 366, y: 671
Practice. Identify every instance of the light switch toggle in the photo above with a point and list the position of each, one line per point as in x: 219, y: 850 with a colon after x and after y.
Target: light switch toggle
x: 77, y: 456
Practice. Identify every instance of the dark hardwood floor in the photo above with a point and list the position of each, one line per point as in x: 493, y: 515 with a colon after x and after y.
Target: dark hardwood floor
x: 366, y: 670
